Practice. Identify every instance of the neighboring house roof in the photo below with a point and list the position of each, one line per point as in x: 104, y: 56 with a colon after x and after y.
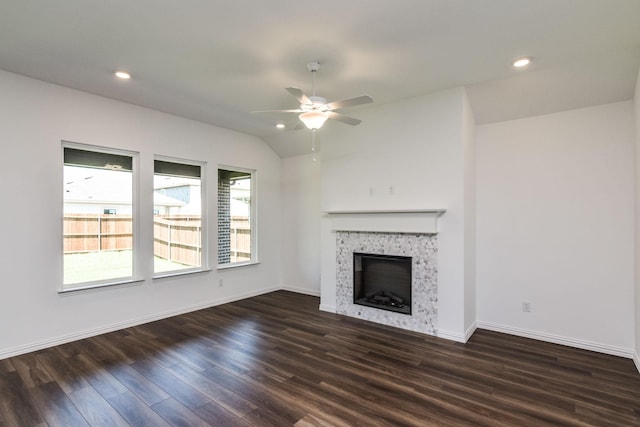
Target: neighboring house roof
x: 97, y: 186
x: 162, y: 200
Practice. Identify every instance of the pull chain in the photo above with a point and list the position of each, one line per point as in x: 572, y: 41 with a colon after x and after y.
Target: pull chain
x: 313, y: 144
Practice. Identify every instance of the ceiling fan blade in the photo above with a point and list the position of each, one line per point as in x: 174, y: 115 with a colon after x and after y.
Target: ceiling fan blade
x: 364, y: 99
x: 344, y: 119
x: 299, y: 95
x: 277, y: 111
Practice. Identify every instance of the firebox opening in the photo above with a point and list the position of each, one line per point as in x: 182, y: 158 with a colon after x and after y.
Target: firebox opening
x: 382, y: 281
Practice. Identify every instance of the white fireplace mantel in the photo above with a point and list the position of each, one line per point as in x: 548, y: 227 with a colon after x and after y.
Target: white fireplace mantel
x: 385, y: 221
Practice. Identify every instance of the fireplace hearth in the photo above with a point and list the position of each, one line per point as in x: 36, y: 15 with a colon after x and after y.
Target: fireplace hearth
x: 382, y: 282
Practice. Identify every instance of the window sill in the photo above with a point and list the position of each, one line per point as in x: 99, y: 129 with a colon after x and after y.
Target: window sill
x: 237, y: 264
x: 180, y: 273
x: 90, y: 286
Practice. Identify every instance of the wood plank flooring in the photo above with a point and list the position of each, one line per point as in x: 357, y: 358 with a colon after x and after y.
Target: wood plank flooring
x: 275, y: 360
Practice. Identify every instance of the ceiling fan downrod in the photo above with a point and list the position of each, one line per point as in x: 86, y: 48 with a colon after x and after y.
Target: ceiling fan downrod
x: 313, y: 67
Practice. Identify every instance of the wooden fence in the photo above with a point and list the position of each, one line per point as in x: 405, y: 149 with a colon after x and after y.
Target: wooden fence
x: 89, y: 233
x: 240, y: 239
x: 176, y: 237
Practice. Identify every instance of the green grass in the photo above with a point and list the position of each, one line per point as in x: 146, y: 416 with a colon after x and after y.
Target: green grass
x: 160, y: 265
x: 94, y: 266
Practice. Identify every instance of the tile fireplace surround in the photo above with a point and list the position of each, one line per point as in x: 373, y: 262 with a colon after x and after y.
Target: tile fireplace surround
x: 422, y: 248
x: 405, y: 233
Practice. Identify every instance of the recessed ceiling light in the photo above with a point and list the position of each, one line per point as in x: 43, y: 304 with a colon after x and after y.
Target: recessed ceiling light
x: 521, y: 62
x: 280, y: 125
x: 122, y: 75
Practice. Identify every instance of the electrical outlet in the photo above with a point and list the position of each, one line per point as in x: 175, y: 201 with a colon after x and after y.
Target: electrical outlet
x: 371, y: 192
x: 392, y: 190
x: 220, y: 282
x: 526, y: 307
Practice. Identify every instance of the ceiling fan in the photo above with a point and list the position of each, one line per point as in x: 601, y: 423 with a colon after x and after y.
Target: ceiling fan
x: 315, y: 110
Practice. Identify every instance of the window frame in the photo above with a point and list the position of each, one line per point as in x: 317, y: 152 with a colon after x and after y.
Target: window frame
x: 135, y: 220
x: 204, y: 237
x: 253, y: 217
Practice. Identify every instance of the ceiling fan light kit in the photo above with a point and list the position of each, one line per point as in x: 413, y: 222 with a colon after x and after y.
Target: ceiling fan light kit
x: 314, y: 119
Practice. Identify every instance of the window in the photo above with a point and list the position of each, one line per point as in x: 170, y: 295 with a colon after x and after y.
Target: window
x: 236, y: 217
x: 98, y: 216
x: 177, y: 216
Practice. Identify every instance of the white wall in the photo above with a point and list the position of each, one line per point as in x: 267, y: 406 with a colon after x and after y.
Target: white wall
x: 35, y: 117
x: 417, y: 147
x: 636, y: 100
x: 301, y: 224
x: 555, y: 227
x: 469, y: 141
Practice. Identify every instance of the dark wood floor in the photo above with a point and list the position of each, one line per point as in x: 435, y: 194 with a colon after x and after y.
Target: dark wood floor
x: 276, y: 360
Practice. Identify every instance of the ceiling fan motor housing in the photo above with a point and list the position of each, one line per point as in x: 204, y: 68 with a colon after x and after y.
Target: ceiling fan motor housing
x: 313, y: 66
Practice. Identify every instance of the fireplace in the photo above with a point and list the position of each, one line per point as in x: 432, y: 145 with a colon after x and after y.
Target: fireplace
x: 382, y: 281
x: 422, y: 248
x: 411, y: 233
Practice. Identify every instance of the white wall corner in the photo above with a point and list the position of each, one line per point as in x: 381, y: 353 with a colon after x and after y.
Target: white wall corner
x: 636, y: 101
x: 470, y: 331
x: 328, y: 308
x: 456, y: 336
x: 557, y: 339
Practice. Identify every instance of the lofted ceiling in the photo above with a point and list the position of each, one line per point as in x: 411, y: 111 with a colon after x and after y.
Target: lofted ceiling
x: 216, y: 61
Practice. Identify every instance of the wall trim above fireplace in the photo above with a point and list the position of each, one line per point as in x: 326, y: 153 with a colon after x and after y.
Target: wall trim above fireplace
x: 386, y: 221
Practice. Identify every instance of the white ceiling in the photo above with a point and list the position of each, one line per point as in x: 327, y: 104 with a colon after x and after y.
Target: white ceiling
x: 216, y: 61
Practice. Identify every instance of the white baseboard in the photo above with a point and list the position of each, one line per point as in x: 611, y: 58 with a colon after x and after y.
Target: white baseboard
x: 454, y: 336
x: 557, y: 339
x: 457, y: 336
x: 450, y: 335
x: 328, y: 308
x: 470, y: 330
x: 305, y: 291
x: 63, y: 339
